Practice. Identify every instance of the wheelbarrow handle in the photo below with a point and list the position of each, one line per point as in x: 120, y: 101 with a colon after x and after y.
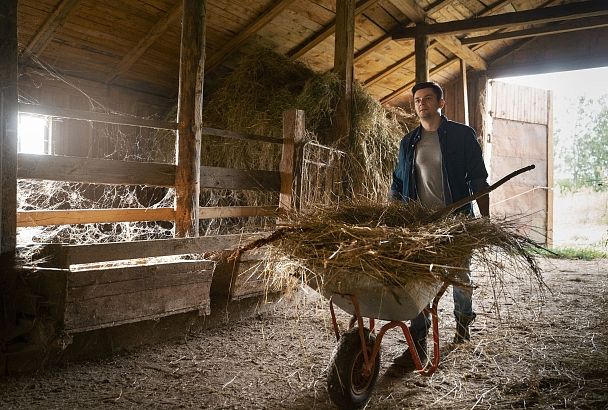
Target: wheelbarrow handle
x: 485, y: 191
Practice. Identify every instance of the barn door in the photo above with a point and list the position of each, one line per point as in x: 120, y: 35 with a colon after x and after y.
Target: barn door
x: 519, y: 133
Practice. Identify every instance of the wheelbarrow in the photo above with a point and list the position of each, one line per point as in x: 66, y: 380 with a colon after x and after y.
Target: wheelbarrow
x: 355, y: 363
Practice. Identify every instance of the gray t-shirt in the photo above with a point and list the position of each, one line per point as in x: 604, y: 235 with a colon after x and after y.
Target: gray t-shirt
x: 428, y: 164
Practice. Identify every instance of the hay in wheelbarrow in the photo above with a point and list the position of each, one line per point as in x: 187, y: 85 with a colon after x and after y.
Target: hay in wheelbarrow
x: 397, y: 244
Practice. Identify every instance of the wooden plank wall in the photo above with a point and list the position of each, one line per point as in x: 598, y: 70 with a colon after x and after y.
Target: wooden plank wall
x: 519, y: 137
x: 93, y: 139
x: 111, y: 296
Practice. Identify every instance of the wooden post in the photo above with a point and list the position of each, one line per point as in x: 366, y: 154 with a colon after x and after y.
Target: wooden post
x: 291, y: 159
x: 421, y: 50
x: 549, y: 169
x: 189, y: 116
x: 465, y: 95
x: 343, y: 65
x: 8, y: 125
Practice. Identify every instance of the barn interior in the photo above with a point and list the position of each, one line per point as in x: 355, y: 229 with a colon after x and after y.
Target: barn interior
x: 153, y: 163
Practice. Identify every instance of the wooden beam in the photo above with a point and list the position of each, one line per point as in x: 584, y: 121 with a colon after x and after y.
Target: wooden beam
x: 145, y: 43
x: 494, y: 7
x: 465, y: 94
x: 480, y: 63
x: 106, y: 118
x: 189, y: 114
x: 421, y: 49
x: 8, y: 125
x: 343, y: 67
x: 234, y: 43
x: 327, y: 31
x: 566, y: 27
x: 540, y: 15
x: 45, y: 33
x: 463, y: 52
x: 418, y: 16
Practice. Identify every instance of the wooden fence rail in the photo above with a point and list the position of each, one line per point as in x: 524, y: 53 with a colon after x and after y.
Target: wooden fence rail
x: 114, y: 172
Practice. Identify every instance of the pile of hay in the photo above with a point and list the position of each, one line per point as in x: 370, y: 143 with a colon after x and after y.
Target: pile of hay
x: 253, y: 97
x: 397, y: 243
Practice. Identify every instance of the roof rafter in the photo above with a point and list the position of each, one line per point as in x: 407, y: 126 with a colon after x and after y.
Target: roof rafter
x: 256, y: 25
x: 568, y: 26
x: 418, y: 16
x: 327, y: 31
x: 540, y: 15
x: 45, y: 33
x: 145, y: 43
x: 438, y: 5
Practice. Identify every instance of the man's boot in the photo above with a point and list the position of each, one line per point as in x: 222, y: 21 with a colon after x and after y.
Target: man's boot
x: 405, y: 360
x: 462, y: 328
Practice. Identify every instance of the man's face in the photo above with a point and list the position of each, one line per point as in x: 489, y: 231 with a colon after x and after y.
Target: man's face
x: 426, y: 103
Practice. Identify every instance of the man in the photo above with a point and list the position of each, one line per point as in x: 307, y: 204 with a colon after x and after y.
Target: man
x: 440, y: 162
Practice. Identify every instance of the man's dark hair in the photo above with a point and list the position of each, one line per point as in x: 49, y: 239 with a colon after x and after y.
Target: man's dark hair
x: 429, y: 84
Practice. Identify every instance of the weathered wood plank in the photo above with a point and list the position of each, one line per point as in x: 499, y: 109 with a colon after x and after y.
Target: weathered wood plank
x: 63, y: 256
x: 93, y: 170
x: 231, y: 178
x: 87, y: 216
x: 95, y: 116
x: 236, y: 211
x: 91, y: 284
x: 105, y: 171
x: 8, y: 125
x: 190, y: 118
x: 136, y: 306
x: 240, y: 135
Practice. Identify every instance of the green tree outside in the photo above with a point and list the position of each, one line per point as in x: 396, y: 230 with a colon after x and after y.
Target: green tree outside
x: 582, y: 148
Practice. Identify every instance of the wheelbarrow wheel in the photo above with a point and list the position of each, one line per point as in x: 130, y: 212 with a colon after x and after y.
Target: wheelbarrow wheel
x: 348, y: 385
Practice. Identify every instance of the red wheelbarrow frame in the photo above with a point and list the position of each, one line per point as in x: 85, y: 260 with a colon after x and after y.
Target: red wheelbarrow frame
x: 370, y: 360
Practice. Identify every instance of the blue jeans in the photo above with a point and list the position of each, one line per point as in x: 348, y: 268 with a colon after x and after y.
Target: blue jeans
x: 463, y: 307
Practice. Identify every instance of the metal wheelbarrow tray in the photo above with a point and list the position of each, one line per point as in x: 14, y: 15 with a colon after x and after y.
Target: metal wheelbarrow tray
x: 355, y: 363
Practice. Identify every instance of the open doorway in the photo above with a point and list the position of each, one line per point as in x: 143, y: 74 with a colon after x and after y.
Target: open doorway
x: 580, y: 155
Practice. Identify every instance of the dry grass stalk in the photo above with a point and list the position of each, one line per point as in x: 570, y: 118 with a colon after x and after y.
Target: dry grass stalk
x: 394, y: 243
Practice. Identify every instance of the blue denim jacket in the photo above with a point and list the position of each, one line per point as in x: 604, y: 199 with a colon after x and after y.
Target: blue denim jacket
x: 464, y: 171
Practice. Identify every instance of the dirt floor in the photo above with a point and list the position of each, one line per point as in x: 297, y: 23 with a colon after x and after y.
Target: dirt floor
x: 533, y: 352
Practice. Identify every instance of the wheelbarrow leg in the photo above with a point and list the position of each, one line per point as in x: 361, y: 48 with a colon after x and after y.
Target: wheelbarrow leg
x: 430, y: 369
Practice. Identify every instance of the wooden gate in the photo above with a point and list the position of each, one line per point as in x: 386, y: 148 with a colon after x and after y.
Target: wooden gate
x: 519, y: 133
